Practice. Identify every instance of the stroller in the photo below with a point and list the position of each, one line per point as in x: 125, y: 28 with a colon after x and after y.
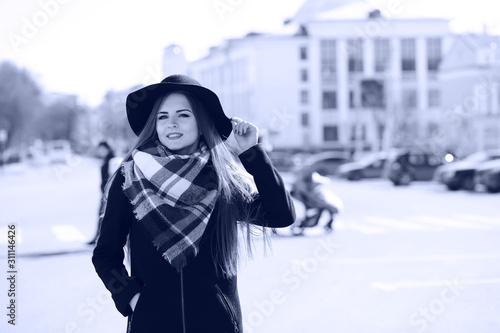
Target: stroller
x: 310, y: 188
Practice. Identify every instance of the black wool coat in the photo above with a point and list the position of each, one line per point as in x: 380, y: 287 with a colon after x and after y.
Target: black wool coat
x: 196, y: 299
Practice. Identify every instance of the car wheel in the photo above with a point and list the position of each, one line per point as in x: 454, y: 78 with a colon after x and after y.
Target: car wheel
x: 452, y: 187
x: 354, y: 176
x: 405, y: 179
x: 492, y: 189
x: 468, y: 184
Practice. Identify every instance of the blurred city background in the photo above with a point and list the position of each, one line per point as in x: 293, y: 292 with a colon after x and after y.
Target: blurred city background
x: 394, y: 106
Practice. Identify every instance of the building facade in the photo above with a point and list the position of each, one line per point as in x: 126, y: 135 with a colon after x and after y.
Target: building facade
x: 306, y: 88
x: 375, y: 81
x: 360, y: 84
x: 258, y: 78
x: 470, y: 78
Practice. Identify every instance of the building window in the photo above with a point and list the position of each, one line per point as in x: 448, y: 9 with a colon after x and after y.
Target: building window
x: 328, y: 58
x: 433, y: 54
x: 382, y: 55
x: 330, y: 133
x: 408, y: 55
x: 303, y: 53
x: 434, y: 98
x: 352, y: 102
x: 355, y: 55
x: 329, y: 100
x: 409, y: 100
x: 372, y: 94
x: 358, y: 132
x: 432, y: 130
x: 304, y: 97
x: 304, y: 119
x: 304, y: 75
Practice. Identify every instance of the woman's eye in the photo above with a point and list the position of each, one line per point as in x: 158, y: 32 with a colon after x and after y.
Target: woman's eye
x: 184, y: 115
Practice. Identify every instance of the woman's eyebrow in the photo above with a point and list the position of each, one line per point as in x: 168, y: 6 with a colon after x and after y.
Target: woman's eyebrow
x: 181, y: 110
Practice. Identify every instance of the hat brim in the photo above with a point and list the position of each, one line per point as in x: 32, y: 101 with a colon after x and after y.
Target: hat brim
x: 140, y: 105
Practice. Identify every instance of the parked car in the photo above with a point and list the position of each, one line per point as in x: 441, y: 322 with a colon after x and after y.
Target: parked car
x: 460, y: 174
x: 325, y: 163
x: 484, y: 175
x: 406, y: 165
x: 282, y: 160
x: 10, y: 155
x: 492, y: 180
x: 58, y: 151
x: 371, y: 166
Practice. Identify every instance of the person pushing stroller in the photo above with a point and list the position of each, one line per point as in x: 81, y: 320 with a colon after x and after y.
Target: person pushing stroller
x: 310, y: 188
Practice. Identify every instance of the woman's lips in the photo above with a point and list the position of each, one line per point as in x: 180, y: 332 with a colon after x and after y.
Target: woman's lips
x: 173, y: 136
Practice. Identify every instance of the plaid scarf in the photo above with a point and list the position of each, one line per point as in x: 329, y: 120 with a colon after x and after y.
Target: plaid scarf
x: 173, y: 197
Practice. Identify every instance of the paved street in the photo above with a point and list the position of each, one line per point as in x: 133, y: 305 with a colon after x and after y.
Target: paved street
x: 411, y: 259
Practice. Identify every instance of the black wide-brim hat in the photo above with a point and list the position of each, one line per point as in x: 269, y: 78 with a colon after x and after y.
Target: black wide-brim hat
x: 140, y: 102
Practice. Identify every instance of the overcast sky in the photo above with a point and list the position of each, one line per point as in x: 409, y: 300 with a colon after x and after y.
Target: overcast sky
x: 88, y: 47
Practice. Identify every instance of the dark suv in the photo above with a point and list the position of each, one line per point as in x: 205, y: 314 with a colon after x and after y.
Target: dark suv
x: 406, y: 165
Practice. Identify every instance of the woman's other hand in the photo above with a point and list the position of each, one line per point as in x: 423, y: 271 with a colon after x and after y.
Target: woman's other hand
x: 246, y: 134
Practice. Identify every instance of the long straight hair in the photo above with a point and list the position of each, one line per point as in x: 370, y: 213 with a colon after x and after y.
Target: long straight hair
x: 236, y: 188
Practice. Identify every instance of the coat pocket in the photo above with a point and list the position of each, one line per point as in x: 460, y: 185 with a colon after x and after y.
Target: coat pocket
x: 136, y: 313
x: 227, y: 305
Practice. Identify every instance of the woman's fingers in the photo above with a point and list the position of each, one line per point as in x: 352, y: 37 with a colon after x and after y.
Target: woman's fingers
x: 240, y: 126
x: 246, y: 134
x: 236, y: 120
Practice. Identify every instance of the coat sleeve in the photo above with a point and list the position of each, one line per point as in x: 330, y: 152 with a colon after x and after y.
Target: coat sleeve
x: 272, y: 205
x: 108, y: 254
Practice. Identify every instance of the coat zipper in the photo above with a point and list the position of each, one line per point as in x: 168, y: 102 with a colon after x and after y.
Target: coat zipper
x: 129, y: 327
x: 226, y: 303
x: 182, y: 304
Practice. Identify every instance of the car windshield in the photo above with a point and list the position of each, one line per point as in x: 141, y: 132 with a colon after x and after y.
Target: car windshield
x: 324, y: 157
x: 477, y: 157
x: 394, y: 154
x: 370, y: 159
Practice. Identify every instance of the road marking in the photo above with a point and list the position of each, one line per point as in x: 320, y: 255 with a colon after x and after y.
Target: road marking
x: 67, y: 233
x: 366, y: 229
x: 4, y: 237
x: 447, y: 223
x: 378, y: 260
x: 482, y: 219
x: 437, y: 283
x: 393, y: 223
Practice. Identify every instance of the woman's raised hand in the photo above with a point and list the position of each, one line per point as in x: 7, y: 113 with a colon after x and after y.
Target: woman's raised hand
x: 245, y: 133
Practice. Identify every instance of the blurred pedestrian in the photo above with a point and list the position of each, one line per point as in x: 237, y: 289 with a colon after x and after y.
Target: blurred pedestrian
x: 105, y: 153
x: 310, y: 189
x: 176, y: 205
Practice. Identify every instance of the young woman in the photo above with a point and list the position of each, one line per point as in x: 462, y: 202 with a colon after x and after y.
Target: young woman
x: 177, y: 204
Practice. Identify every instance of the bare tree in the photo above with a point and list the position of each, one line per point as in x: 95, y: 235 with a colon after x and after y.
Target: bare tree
x: 19, y: 101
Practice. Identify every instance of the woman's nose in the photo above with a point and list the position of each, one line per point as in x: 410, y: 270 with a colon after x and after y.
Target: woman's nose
x: 172, y: 124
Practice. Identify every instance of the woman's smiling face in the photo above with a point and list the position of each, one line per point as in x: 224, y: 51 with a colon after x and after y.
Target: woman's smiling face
x: 176, y: 125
